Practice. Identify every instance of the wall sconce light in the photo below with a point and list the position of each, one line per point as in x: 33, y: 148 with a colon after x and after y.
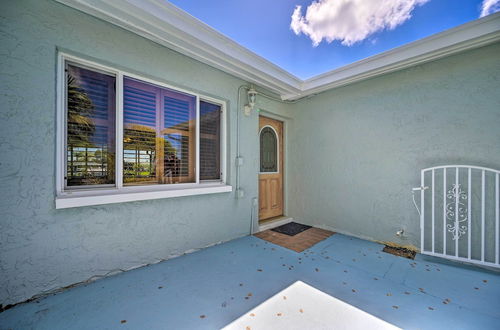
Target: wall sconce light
x: 252, y: 94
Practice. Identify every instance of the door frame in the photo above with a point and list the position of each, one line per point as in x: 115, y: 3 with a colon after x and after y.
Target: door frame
x: 285, y: 149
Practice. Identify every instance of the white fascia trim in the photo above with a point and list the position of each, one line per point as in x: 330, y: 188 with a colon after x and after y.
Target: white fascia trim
x: 165, y: 24
x: 467, y: 36
x: 88, y: 198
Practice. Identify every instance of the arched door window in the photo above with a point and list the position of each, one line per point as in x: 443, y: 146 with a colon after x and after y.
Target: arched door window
x: 268, y: 150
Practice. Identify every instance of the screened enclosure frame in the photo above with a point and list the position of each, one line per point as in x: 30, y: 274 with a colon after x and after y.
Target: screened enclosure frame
x: 120, y: 75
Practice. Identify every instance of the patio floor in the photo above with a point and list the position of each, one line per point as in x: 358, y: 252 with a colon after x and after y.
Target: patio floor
x: 210, y: 288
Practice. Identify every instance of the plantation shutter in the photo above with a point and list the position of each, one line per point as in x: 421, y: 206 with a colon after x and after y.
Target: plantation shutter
x: 210, y: 141
x: 159, y: 134
x: 90, y: 130
x: 140, y: 108
x: 179, y: 129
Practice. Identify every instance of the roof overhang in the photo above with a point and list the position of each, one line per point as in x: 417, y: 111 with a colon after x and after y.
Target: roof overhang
x: 167, y: 25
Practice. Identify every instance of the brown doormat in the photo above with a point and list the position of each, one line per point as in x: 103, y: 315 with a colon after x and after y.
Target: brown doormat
x: 297, y: 243
x: 400, y: 252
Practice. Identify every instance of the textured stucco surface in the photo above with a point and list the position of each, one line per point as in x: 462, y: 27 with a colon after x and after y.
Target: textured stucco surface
x: 42, y: 248
x: 351, y: 155
x: 357, y: 151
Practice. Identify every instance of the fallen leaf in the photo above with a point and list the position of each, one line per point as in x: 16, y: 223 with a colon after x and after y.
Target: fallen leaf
x: 389, y: 294
x: 353, y: 290
x: 316, y: 269
x: 249, y: 294
x: 301, y: 310
x: 279, y: 314
x: 202, y: 316
x: 252, y: 315
x: 259, y: 270
x: 284, y: 297
x: 395, y: 307
x: 160, y: 287
x: 248, y: 328
x: 123, y: 321
x: 430, y: 308
x: 485, y: 281
x: 406, y: 292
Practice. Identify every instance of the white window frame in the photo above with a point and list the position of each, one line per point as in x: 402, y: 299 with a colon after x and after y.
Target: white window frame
x: 106, y: 195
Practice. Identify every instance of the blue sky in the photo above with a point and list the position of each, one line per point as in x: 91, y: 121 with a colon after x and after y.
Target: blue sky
x: 356, y: 29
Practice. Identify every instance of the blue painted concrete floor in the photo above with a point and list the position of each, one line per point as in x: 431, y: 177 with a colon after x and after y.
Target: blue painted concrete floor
x: 212, y: 287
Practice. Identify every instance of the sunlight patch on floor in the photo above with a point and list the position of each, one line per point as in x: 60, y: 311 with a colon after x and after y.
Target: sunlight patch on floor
x: 301, y: 306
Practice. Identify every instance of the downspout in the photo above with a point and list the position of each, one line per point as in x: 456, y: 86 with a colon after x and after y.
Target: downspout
x: 239, y: 160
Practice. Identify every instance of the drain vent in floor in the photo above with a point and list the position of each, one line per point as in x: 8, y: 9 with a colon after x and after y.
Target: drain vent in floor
x: 291, y: 228
x: 400, y: 252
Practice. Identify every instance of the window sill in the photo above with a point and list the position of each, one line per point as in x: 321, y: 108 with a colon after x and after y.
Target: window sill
x: 88, y: 198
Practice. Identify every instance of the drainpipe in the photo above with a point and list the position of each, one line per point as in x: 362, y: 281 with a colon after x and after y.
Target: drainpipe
x: 240, y: 193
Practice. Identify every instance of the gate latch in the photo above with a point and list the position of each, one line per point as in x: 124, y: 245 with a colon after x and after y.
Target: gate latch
x: 421, y: 188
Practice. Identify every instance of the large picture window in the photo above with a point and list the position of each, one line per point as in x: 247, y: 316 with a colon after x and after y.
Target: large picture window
x: 124, y: 132
x: 159, y: 135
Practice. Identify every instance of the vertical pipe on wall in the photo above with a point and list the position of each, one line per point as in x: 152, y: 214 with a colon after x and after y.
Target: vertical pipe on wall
x: 422, y: 203
x: 238, y: 153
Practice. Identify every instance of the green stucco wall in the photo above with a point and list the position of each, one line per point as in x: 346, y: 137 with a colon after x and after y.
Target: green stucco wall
x: 357, y: 151
x: 352, y: 154
x: 42, y: 248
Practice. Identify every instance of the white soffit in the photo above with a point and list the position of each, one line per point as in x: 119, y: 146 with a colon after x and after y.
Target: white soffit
x: 165, y: 24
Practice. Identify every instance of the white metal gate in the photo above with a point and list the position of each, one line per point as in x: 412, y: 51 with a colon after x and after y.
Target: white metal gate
x: 459, y: 213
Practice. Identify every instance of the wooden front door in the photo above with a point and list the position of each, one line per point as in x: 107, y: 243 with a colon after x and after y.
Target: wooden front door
x: 271, y: 168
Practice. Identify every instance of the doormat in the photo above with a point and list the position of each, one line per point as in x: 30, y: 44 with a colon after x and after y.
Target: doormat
x: 291, y: 228
x: 400, y: 252
x: 298, y: 243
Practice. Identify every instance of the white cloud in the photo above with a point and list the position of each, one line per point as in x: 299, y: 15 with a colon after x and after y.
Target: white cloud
x: 489, y: 7
x: 351, y: 21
